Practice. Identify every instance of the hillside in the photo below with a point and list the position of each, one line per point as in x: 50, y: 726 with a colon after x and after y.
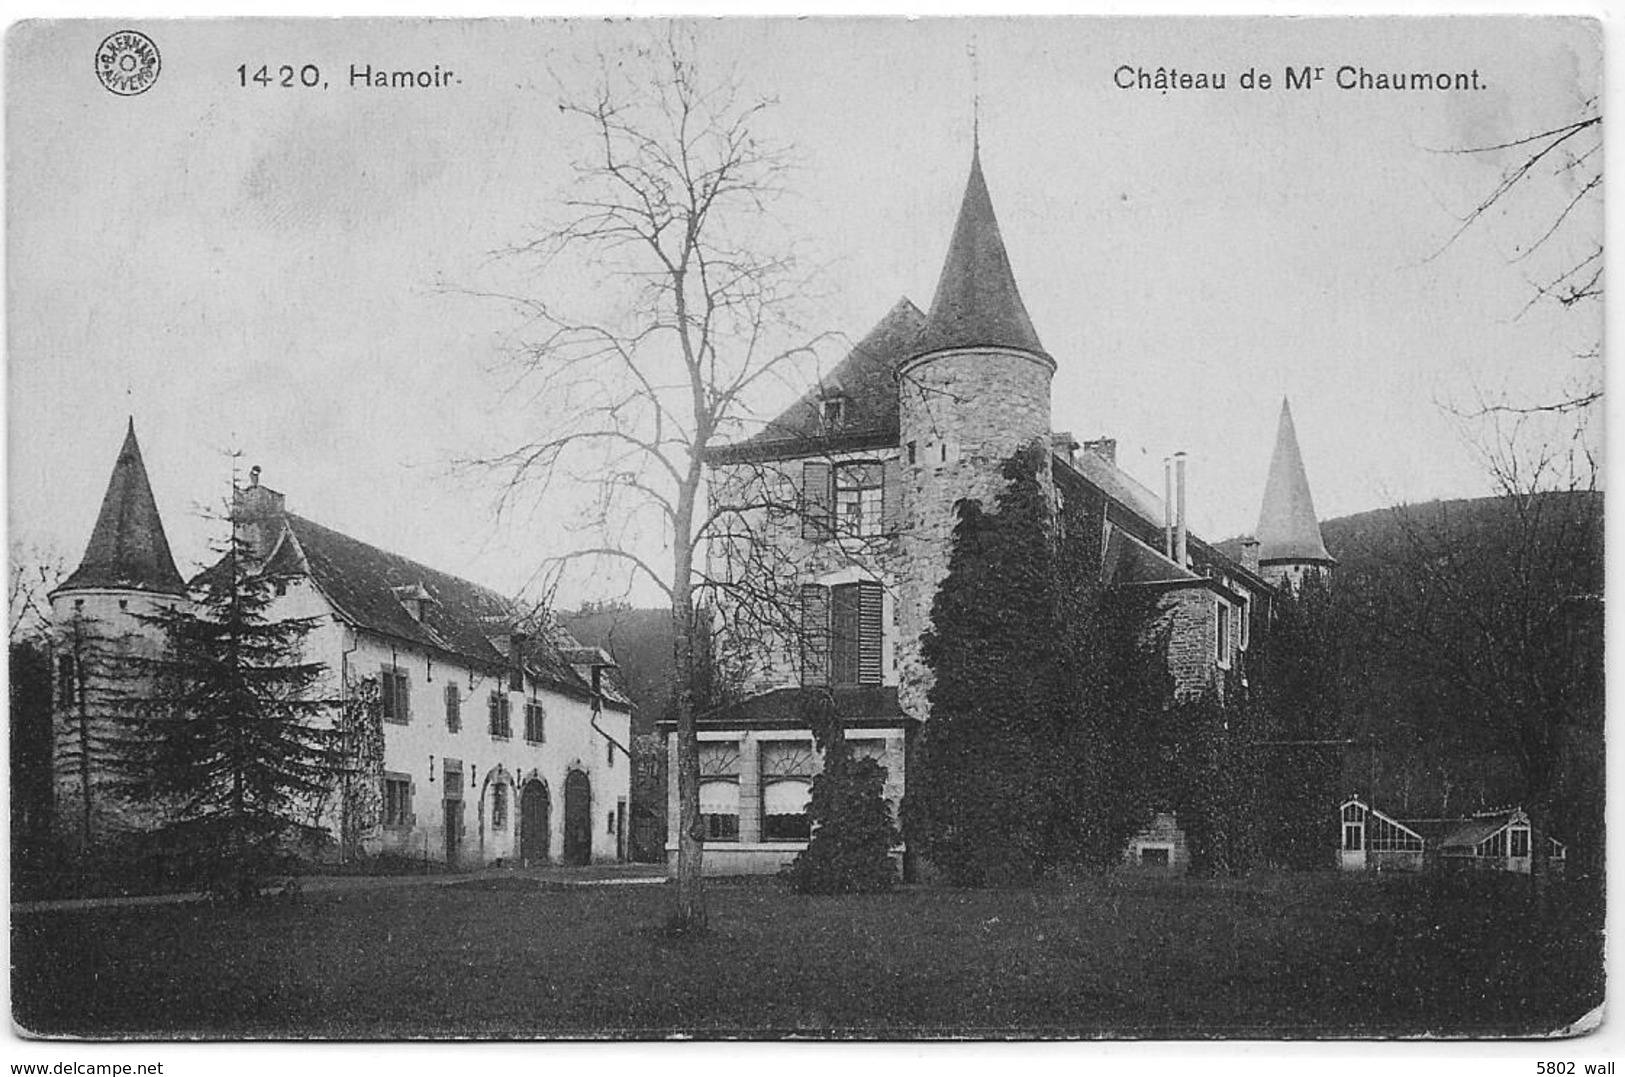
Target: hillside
x: 641, y: 643
x: 1420, y: 750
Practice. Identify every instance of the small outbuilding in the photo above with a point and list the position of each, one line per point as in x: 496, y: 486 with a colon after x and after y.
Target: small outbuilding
x: 1496, y: 841
x: 1373, y: 841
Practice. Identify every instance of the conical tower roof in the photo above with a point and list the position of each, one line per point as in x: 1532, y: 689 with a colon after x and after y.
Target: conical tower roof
x: 977, y: 303
x: 1288, y: 529
x: 128, y: 549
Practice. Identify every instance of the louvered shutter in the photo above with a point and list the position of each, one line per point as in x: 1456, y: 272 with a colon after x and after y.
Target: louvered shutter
x: 891, y: 497
x: 844, y: 634
x: 814, y: 634
x: 871, y: 632
x: 817, y: 500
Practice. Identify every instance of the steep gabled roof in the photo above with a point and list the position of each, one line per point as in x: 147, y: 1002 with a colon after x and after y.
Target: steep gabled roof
x: 365, y: 586
x: 865, y: 383
x: 128, y: 548
x: 361, y: 580
x: 1288, y: 529
x: 977, y: 303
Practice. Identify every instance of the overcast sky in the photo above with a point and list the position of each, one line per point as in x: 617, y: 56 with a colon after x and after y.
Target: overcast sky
x: 268, y: 268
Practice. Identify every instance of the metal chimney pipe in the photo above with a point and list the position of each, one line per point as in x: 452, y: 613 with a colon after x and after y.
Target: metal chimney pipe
x: 1179, y: 512
x: 1168, y: 507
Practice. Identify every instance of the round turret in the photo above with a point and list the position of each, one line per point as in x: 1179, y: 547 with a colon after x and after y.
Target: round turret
x: 975, y: 390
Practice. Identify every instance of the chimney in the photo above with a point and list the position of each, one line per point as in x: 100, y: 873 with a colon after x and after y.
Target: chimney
x: 1105, y: 448
x: 1179, y: 510
x: 1249, y: 553
x: 256, y: 516
x: 1168, y: 507
x: 1064, y: 445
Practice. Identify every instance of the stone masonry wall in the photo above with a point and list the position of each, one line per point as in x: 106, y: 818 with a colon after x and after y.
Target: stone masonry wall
x: 771, y: 547
x: 1193, y: 620
x: 965, y: 413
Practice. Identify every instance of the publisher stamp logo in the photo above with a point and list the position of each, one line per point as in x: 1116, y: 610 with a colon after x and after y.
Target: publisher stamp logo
x: 127, y: 63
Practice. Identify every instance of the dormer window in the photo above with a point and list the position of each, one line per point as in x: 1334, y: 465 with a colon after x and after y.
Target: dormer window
x: 834, y: 411
x: 415, y: 600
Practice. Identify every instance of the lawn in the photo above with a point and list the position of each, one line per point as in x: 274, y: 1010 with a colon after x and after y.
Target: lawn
x: 1273, y: 955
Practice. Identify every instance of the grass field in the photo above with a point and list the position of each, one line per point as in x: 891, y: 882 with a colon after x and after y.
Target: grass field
x: 1273, y: 955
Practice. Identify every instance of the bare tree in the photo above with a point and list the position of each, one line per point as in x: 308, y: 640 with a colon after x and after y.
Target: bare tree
x: 1497, y: 604
x: 671, y: 217
x: 35, y: 572
x: 1557, y: 174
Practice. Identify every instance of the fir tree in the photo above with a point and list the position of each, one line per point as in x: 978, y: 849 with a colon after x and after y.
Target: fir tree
x: 236, y: 740
x: 1300, y: 705
x: 989, y: 775
x: 853, y: 834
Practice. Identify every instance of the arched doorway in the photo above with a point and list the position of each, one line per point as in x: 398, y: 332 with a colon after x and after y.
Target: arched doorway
x: 577, y: 818
x: 534, y: 823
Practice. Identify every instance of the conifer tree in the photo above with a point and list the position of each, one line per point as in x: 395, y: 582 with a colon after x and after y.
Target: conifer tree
x: 853, y: 833
x: 238, y: 740
x: 1297, y: 695
x: 990, y: 779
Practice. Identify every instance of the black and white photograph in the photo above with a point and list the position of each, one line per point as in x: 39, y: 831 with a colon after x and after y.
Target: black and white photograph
x: 886, y: 529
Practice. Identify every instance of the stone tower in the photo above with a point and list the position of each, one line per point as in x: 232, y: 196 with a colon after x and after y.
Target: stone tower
x: 1289, y: 542
x: 975, y: 388
x: 127, y: 572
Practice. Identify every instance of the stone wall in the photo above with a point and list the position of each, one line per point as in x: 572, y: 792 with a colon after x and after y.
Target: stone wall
x: 771, y: 546
x: 1192, y: 614
x: 962, y: 414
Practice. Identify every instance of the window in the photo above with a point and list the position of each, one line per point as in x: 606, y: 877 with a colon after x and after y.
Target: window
x: 1388, y: 836
x: 516, y: 680
x: 1520, y: 841
x: 609, y: 756
x: 501, y: 715
x: 454, y: 708
x: 394, y: 688
x: 1222, y: 637
x: 397, y: 800
x: 858, y: 494
x: 1245, y: 630
x: 609, y: 826
x: 1353, y: 837
x: 67, y: 680
x: 784, y: 810
x: 719, y: 807
x: 843, y: 633
x: 499, y: 806
x: 912, y: 451
x: 535, y: 730
x: 834, y: 411
x: 1154, y: 856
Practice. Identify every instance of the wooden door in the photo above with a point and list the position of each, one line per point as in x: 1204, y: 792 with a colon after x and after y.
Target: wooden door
x: 534, y: 822
x: 577, y: 818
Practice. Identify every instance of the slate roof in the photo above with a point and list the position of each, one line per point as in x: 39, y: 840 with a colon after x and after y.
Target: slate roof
x: 865, y: 381
x: 1472, y: 831
x: 128, y: 548
x: 1288, y: 529
x: 1135, y: 553
x: 977, y: 302
x: 365, y: 585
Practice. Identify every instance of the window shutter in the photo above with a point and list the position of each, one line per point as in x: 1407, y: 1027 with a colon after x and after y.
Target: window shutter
x: 817, y: 508
x: 871, y: 632
x: 844, y: 634
x: 814, y: 634
x: 891, y: 497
